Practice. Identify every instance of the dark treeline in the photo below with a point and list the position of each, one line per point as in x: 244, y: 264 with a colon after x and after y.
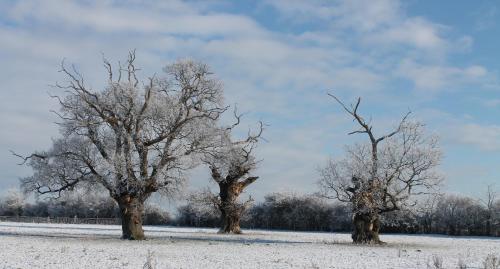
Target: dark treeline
x: 71, y: 205
x: 446, y: 214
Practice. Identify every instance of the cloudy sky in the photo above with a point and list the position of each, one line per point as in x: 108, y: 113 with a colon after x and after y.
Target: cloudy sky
x: 278, y: 59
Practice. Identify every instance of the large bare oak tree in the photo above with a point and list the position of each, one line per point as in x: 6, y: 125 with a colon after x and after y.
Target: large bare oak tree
x: 231, y: 164
x: 382, y: 175
x: 133, y: 137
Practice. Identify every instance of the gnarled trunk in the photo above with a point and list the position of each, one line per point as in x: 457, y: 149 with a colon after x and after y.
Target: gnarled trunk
x: 230, y: 221
x: 366, y: 228
x: 366, y: 220
x: 230, y: 209
x: 131, y: 209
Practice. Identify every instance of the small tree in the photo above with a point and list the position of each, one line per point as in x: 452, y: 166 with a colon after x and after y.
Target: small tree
x: 378, y: 178
x: 231, y: 164
x: 199, y: 210
x: 14, y: 203
x: 489, y: 203
x: 426, y: 212
x: 131, y: 138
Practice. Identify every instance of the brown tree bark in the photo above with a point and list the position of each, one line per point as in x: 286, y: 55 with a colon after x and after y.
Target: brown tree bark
x: 230, y: 209
x: 366, y: 228
x: 230, y: 221
x: 131, y: 210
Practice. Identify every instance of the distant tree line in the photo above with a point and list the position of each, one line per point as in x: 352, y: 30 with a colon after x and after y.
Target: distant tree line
x: 89, y: 206
x: 449, y: 214
x: 446, y: 214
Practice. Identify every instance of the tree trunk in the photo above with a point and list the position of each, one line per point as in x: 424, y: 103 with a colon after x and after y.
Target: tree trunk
x: 131, y: 209
x: 488, y: 226
x: 366, y: 228
x: 230, y: 209
x: 230, y: 222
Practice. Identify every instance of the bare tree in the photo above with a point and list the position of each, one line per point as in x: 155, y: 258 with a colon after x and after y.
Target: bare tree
x: 231, y: 164
x: 426, y: 210
x: 133, y: 138
x: 378, y: 178
x: 489, y: 203
x: 13, y: 204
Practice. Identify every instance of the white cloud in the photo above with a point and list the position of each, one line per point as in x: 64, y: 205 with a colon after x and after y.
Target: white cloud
x: 485, y: 137
x: 371, y: 16
x: 354, y: 14
x: 441, y: 77
x: 416, y: 32
x: 178, y: 18
x: 380, y: 22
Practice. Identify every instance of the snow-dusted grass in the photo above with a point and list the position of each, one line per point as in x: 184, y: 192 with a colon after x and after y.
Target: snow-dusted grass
x: 25, y: 245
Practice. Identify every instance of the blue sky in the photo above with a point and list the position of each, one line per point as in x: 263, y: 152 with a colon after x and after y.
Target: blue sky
x: 278, y: 59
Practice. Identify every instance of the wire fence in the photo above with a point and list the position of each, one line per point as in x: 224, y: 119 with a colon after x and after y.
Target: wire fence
x: 66, y: 220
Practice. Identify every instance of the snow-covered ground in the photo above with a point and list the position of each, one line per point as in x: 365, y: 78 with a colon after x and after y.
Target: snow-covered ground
x: 26, y: 245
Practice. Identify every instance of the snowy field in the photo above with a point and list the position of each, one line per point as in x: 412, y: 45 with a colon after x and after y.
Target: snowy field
x: 26, y: 245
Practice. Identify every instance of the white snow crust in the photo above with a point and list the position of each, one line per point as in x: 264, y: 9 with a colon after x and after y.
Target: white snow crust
x: 31, y: 245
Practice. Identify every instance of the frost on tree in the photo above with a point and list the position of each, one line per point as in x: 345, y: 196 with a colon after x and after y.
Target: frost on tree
x: 133, y: 137
x: 231, y: 164
x: 13, y: 203
x: 381, y: 176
